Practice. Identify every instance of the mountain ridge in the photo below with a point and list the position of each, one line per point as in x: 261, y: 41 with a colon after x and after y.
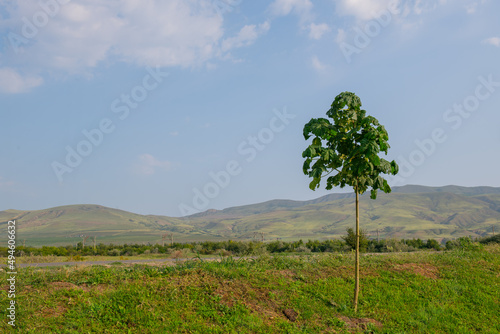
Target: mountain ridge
x: 409, y: 211
x: 407, y: 189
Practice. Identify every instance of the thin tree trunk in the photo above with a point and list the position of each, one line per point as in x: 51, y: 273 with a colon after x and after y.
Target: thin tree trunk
x: 356, y: 270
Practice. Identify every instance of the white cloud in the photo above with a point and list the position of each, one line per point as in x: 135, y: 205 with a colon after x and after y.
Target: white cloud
x: 148, y: 165
x: 12, y: 82
x: 317, y: 64
x: 78, y: 37
x: 472, y: 6
x: 341, y: 36
x: 285, y: 7
x: 301, y: 8
x: 206, y: 126
x: 424, y: 6
x: 495, y: 41
x: 316, y: 31
x: 247, y: 35
x: 417, y: 8
x: 367, y: 9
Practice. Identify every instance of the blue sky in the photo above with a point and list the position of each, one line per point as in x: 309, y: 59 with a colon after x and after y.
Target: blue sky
x: 174, y: 107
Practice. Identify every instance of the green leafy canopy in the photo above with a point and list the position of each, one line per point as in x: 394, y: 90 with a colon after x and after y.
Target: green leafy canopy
x: 346, y: 149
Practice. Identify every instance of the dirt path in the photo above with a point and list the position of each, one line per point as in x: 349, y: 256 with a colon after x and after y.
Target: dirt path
x: 168, y: 261
x: 86, y: 263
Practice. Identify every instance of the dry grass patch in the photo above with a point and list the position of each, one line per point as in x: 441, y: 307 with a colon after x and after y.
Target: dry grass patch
x: 424, y: 269
x: 255, y: 299
x: 355, y: 325
x: 345, y: 272
x: 53, y: 312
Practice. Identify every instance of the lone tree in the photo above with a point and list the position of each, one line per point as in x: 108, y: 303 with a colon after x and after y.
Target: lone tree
x: 345, y: 152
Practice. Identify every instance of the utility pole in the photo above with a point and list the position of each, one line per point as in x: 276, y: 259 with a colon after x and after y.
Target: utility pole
x: 24, y: 241
x: 256, y: 234
x: 378, y: 240
x: 95, y: 237
x: 84, y: 238
x: 164, y: 236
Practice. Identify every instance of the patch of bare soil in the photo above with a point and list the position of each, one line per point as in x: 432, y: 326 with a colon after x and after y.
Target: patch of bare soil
x: 359, y: 324
x: 291, y: 314
x: 423, y: 269
x: 53, y: 312
x: 285, y: 273
x: 255, y: 299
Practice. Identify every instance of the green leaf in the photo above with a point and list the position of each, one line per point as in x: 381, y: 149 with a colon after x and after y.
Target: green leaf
x: 394, y: 167
x: 387, y: 188
x: 314, y: 184
x: 306, y: 166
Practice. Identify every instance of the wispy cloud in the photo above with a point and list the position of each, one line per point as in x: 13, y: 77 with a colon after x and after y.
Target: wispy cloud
x: 12, y: 82
x: 148, y: 165
x: 316, y: 31
x: 365, y: 9
x: 246, y: 36
x: 317, y: 64
x: 301, y: 8
x: 206, y: 126
x: 495, y: 41
x: 472, y: 6
x: 341, y: 36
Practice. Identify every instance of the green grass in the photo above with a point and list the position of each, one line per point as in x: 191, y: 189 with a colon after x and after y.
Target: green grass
x: 445, y: 292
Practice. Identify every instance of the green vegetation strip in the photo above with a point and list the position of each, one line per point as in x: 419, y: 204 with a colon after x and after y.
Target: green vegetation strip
x: 441, y: 292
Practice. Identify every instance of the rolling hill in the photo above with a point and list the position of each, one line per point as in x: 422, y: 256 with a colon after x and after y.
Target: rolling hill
x: 410, y: 211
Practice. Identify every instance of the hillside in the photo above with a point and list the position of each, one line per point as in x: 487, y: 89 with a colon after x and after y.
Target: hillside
x: 410, y: 211
x: 65, y: 225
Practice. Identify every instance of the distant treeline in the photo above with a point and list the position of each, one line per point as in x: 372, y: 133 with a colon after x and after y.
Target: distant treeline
x: 240, y: 248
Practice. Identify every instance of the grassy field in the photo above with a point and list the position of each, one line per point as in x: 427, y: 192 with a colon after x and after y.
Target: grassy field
x: 445, y: 292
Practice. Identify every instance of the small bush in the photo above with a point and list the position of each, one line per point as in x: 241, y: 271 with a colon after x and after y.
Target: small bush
x: 114, y: 252
x: 75, y: 258
x: 302, y: 249
x: 463, y: 243
x: 491, y: 240
x: 223, y: 252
